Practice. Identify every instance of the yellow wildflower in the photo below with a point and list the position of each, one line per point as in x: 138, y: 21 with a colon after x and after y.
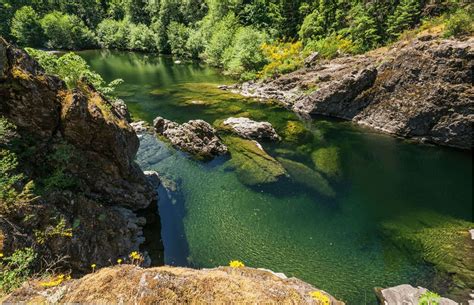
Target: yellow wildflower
x: 1, y: 254
x: 119, y: 261
x: 93, y: 267
x: 136, y: 257
x: 236, y: 264
x: 58, y: 280
x: 320, y: 297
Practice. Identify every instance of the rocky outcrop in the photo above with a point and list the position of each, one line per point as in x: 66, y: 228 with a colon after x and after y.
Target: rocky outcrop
x: 129, y: 284
x: 407, y: 294
x: 419, y: 89
x: 78, y: 150
x: 252, y: 130
x: 196, y: 137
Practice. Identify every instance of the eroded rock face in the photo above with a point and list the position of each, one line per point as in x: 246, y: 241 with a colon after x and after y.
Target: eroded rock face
x: 129, y: 284
x: 75, y: 135
x: 196, y: 137
x: 418, y: 89
x: 406, y: 294
x: 252, y: 130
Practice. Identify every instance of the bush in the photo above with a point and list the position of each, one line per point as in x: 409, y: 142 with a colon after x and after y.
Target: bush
x: 331, y: 46
x: 26, y: 28
x: 460, y: 23
x: 71, y: 68
x: 222, y: 36
x: 178, y: 35
x: 141, y: 38
x: 16, y: 269
x: 245, y: 55
x: 65, y: 31
x: 282, y: 57
x: 113, y: 34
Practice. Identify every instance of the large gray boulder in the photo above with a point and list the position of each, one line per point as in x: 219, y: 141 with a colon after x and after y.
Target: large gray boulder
x: 196, y: 137
x: 252, y: 130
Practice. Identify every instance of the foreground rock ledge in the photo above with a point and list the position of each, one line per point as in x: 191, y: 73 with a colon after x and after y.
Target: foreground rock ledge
x: 133, y: 285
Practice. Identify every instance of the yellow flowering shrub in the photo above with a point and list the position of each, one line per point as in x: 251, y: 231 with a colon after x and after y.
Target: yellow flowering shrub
x: 236, y: 264
x: 283, y: 57
x: 320, y: 297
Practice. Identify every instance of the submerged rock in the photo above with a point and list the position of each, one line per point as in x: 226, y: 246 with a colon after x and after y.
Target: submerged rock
x: 252, y: 164
x: 171, y: 285
x: 196, y: 137
x: 407, y: 294
x: 327, y: 161
x: 252, y: 130
x: 308, y: 177
x: 442, y: 241
x: 295, y: 131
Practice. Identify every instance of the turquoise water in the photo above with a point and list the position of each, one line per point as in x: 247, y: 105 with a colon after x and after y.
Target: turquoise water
x: 333, y: 242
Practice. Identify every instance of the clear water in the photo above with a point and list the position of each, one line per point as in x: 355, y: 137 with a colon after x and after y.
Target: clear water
x: 334, y: 243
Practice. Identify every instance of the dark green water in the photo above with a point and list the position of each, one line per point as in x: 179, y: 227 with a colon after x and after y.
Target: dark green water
x: 335, y: 243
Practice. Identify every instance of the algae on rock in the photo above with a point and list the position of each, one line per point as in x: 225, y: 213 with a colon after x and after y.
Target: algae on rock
x: 308, y: 177
x: 252, y: 164
x: 442, y: 241
x: 295, y: 131
x: 327, y: 161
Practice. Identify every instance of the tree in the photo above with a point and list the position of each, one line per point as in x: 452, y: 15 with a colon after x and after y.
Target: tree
x: 178, y: 35
x: 26, y: 27
x: 405, y: 16
x: 141, y: 38
x: 363, y: 28
x: 113, y: 34
x: 221, y: 38
x: 65, y: 31
x: 169, y: 11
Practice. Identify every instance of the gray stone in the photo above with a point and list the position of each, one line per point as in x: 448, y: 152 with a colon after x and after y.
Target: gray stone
x: 252, y: 130
x: 405, y: 295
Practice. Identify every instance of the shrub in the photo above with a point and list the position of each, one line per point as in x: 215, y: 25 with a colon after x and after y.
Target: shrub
x: 26, y: 27
x: 16, y: 269
x: 178, y: 35
x: 141, y: 38
x: 113, y: 34
x: 460, y: 23
x: 282, y: 57
x: 71, y: 68
x: 222, y: 37
x: 245, y: 55
x: 65, y: 31
x: 331, y: 46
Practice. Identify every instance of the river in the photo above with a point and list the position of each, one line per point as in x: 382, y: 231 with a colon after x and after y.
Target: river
x: 337, y: 243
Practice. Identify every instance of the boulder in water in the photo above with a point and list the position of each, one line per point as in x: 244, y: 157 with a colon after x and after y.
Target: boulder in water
x: 252, y: 130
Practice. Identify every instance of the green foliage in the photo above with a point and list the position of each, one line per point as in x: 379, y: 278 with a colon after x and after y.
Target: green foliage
x: 15, y: 269
x: 141, y: 38
x: 460, y: 23
x: 71, y: 68
x: 405, y: 16
x: 245, y: 57
x: 331, y: 46
x: 282, y: 57
x: 429, y: 298
x: 178, y: 35
x: 363, y: 29
x: 113, y: 34
x: 220, y: 40
x: 65, y: 31
x: 60, y: 179
x: 25, y: 27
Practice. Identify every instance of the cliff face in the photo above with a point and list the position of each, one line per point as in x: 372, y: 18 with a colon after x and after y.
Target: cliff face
x: 421, y: 88
x: 132, y: 285
x: 79, y: 151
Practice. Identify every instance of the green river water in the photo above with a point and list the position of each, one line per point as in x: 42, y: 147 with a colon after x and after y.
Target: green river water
x: 335, y: 243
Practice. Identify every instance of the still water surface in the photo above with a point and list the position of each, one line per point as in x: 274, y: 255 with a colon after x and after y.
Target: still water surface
x: 335, y: 243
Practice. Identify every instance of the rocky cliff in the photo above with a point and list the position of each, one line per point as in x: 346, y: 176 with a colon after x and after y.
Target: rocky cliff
x: 419, y: 88
x: 72, y: 153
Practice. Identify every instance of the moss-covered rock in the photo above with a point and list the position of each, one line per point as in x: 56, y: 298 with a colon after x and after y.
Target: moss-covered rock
x: 252, y: 164
x: 442, y: 241
x: 327, y: 161
x: 295, y: 131
x: 308, y: 177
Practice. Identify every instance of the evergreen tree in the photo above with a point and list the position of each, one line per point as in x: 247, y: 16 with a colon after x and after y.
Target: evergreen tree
x: 363, y: 28
x: 403, y: 18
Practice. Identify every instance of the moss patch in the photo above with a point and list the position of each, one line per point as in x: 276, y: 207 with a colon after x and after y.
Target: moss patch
x: 327, y: 161
x: 308, y: 177
x: 295, y: 131
x: 440, y: 240
x: 252, y: 165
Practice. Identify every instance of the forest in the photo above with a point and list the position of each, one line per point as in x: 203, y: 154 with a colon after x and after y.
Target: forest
x: 246, y: 38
